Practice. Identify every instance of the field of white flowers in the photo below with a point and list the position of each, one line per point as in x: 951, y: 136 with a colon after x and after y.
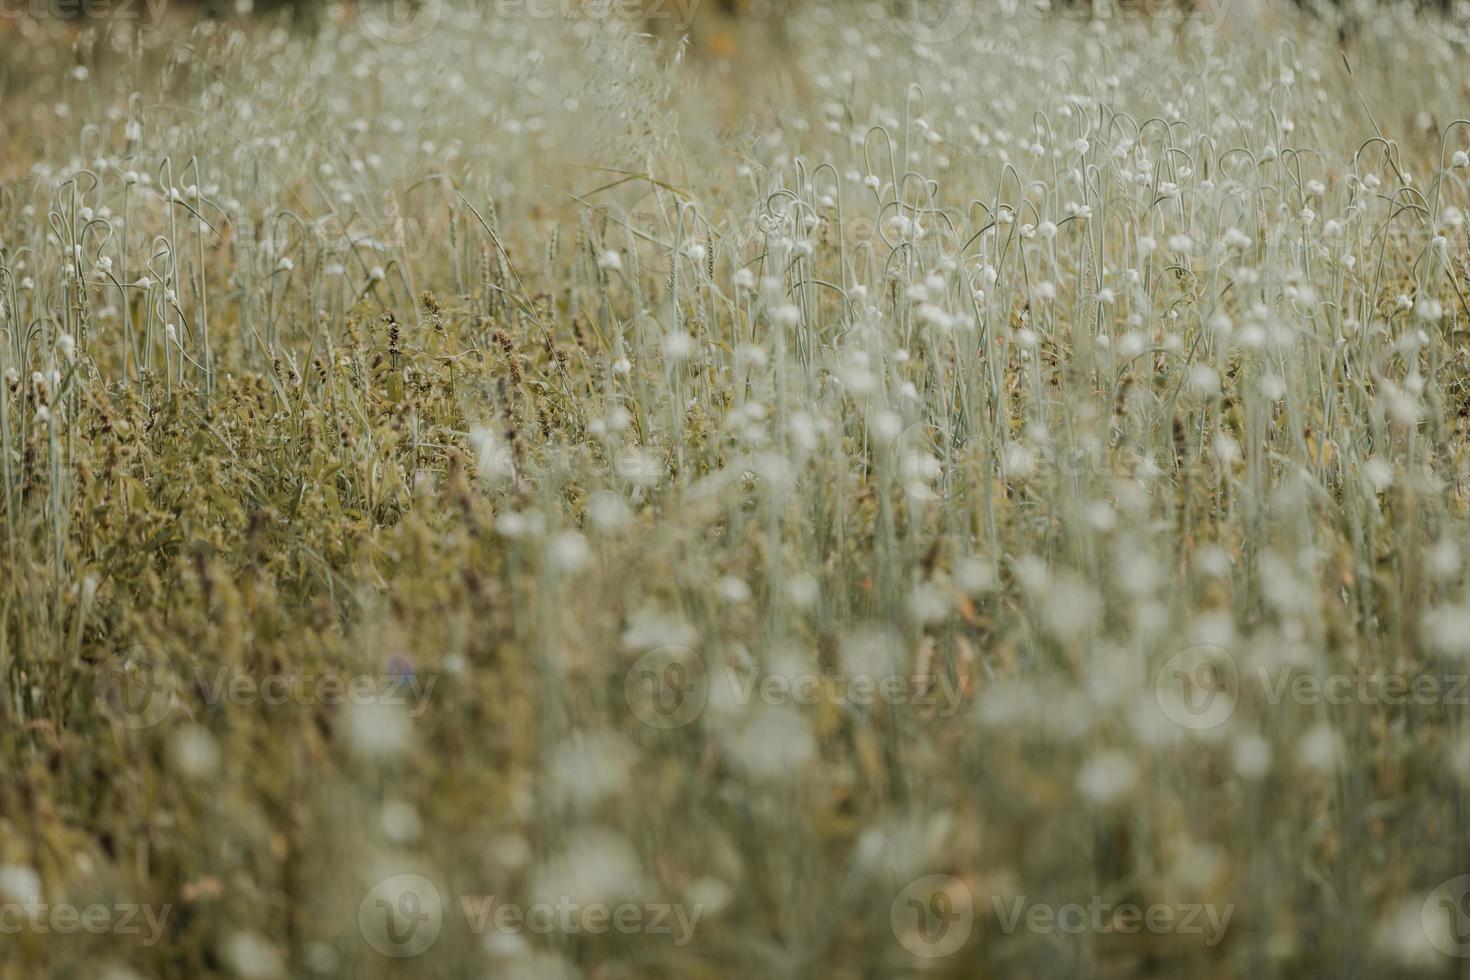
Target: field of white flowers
x: 547, y: 491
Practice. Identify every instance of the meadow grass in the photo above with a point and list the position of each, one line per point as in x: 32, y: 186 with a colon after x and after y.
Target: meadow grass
x: 861, y: 487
